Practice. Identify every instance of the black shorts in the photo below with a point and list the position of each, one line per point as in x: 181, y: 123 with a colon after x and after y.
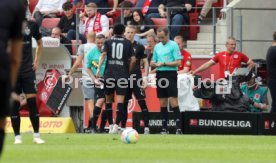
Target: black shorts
x: 112, y: 85
x: 5, y: 93
x: 99, y: 93
x: 26, y: 83
x: 166, y: 84
x: 136, y: 89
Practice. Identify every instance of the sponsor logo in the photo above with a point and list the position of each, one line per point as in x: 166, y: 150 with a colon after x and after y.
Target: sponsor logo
x: 193, y: 122
x: 266, y: 125
x: 220, y: 123
x: 158, y: 123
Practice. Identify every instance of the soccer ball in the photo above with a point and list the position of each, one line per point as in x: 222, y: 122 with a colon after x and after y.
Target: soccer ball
x: 129, y: 136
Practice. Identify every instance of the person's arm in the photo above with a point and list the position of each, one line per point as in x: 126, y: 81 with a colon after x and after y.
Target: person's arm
x: 146, y: 66
x: 76, y: 65
x: 263, y: 104
x: 188, y: 7
x: 185, y: 70
x: 38, y: 54
x: 15, y: 59
x: 115, y: 5
x: 203, y: 67
x: 148, y: 32
x: 250, y: 64
x: 88, y: 68
x: 102, y: 58
x: 161, y: 10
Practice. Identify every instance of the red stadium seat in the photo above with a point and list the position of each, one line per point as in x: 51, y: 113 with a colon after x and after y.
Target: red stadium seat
x: 32, y: 4
x: 159, y: 22
x: 74, y: 46
x: 50, y: 22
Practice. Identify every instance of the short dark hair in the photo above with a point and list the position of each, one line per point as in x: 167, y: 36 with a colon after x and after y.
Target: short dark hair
x: 119, y: 29
x: 100, y: 36
x: 127, y: 5
x: 179, y: 37
x: 163, y: 29
x: 274, y: 36
x: 67, y: 6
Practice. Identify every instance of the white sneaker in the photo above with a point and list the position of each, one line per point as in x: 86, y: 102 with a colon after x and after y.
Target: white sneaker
x: 18, y: 139
x: 115, y: 129
x: 110, y: 129
x: 38, y: 140
x: 146, y: 130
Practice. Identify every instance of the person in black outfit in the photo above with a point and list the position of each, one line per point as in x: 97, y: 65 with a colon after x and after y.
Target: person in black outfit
x: 178, y: 11
x: 12, y: 14
x: 138, y: 84
x: 26, y: 82
x: 120, y: 62
x: 271, y: 70
x: 68, y: 21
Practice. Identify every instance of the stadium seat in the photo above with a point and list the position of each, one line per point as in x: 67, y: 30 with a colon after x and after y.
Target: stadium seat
x: 32, y: 4
x: 50, y: 22
x: 193, y: 28
x: 159, y: 22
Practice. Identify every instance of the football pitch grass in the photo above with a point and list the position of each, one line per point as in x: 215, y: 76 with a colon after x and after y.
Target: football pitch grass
x: 97, y: 148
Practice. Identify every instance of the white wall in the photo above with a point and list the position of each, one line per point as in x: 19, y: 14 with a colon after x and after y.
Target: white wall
x: 257, y: 27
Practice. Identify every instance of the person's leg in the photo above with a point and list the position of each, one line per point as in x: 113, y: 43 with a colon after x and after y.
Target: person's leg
x: 152, y: 15
x: 38, y: 17
x: 108, y: 110
x: 71, y: 35
x: 4, y: 110
x: 15, y: 117
x: 207, y: 7
x: 172, y: 92
x: 89, y: 96
x: 176, y: 22
x: 99, y: 95
x: 164, y: 114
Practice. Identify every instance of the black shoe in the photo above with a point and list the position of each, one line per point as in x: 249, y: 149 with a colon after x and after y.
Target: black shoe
x: 164, y: 131
x: 178, y: 132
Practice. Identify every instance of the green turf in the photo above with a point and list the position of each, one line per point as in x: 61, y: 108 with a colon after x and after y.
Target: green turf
x: 79, y: 148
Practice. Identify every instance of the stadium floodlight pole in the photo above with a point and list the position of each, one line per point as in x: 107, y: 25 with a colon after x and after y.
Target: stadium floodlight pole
x: 168, y: 21
x: 240, y: 33
x: 77, y: 28
x: 214, y: 30
x: 232, y: 20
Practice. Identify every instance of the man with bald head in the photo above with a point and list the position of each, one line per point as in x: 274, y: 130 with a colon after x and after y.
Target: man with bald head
x: 56, y: 33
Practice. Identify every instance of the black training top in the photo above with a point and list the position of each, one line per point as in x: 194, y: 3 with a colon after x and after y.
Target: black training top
x: 139, y: 51
x: 29, y: 31
x: 12, y: 14
x: 119, y: 51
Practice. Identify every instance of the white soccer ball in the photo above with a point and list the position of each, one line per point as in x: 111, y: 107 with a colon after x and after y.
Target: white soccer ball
x: 130, y: 136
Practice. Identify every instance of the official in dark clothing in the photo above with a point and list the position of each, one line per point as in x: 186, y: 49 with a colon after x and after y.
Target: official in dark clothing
x: 12, y: 13
x: 271, y: 70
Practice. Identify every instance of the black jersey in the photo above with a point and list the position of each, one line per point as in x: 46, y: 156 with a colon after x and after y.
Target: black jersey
x: 139, y: 51
x: 119, y: 51
x: 29, y: 31
x: 66, y: 24
x: 12, y: 14
x: 270, y: 60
